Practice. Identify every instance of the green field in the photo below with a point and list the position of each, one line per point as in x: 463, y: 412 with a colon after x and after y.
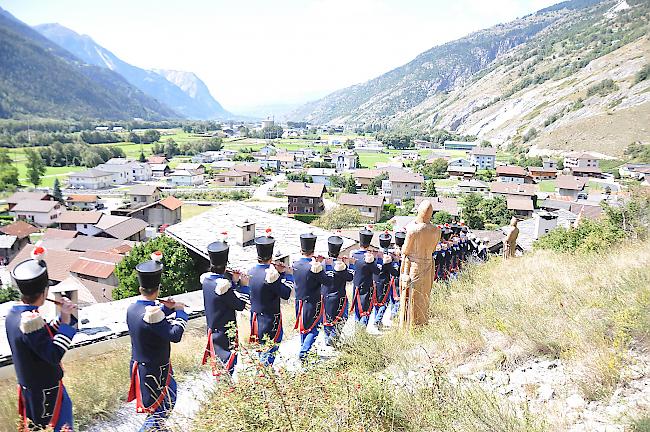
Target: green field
x: 547, y: 186
x: 189, y: 211
x: 50, y: 174
x: 446, y: 183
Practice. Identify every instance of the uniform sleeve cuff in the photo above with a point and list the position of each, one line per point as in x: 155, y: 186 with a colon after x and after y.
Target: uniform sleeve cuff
x: 66, y: 330
x: 167, y: 310
x: 288, y: 277
x: 182, y: 315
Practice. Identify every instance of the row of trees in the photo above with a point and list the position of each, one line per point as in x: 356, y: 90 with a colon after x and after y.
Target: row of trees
x: 171, y: 148
x: 148, y: 137
x: 59, y: 155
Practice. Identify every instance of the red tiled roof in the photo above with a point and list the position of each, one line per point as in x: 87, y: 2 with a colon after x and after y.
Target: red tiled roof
x: 82, y: 198
x: 55, y: 233
x: 171, y: 202
x: 20, y: 229
x: 310, y: 190
x: 96, y: 264
x: 58, y: 263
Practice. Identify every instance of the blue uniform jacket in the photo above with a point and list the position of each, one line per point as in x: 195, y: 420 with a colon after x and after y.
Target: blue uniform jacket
x: 265, y: 303
x: 37, y: 348
x: 382, y: 282
x: 363, y: 282
x: 220, y: 313
x: 334, y: 293
x: 308, y: 294
x: 151, y: 336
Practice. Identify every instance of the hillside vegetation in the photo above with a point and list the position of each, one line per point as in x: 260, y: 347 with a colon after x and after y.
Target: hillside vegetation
x: 39, y: 78
x: 586, y: 314
x: 537, y: 73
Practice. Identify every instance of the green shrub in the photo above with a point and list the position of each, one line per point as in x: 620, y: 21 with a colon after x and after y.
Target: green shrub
x: 340, y: 217
x: 642, y: 74
x: 603, y: 88
x: 306, y: 218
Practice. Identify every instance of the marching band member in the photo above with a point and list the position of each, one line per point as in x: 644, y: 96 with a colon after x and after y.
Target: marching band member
x: 400, y: 236
x: 382, y: 280
x: 308, y: 274
x: 446, y: 263
x: 222, y: 298
x: 152, y: 379
x: 335, y: 297
x: 37, y: 348
x: 364, y: 269
x: 439, y: 263
x: 269, y: 282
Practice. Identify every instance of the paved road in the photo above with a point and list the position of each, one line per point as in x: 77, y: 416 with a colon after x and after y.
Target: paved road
x: 262, y: 192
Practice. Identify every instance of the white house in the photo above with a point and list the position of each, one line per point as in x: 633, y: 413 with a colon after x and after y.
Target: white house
x: 580, y: 160
x: 512, y: 174
x: 186, y: 178
x: 90, y: 179
x: 345, y: 160
x: 460, y: 162
x: 83, y: 222
x: 483, y: 157
x: 37, y: 212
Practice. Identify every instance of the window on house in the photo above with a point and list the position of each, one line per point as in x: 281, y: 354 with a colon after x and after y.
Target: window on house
x: 294, y: 209
x: 294, y: 200
x: 311, y: 200
x: 85, y: 225
x: 248, y: 227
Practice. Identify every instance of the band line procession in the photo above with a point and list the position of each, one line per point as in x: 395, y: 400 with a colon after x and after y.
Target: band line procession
x: 395, y: 280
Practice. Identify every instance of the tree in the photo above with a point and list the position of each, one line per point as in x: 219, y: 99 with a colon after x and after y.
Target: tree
x: 436, y: 169
x: 372, y: 189
x: 560, y: 164
x: 56, y: 191
x: 338, y: 181
x: 430, y: 189
x: 171, y: 148
x: 142, y: 158
x: 375, y: 184
x: 495, y: 211
x: 350, y: 185
x: 134, y: 138
x: 348, y: 144
x: 485, y: 143
x: 35, y: 166
x: 442, y: 217
x: 179, y: 275
x: 8, y: 172
x: 340, y: 217
x: 472, y: 211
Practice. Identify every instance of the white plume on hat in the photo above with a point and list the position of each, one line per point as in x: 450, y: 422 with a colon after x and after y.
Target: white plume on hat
x: 157, y: 256
x: 222, y: 286
x: 339, y: 266
x: 369, y: 257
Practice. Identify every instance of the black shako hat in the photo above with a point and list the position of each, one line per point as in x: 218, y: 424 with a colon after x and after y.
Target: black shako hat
x: 150, y: 272
x: 264, y: 245
x: 384, y: 240
x: 456, y: 229
x: 400, y: 236
x: 218, y: 253
x: 334, y: 244
x: 446, y: 233
x: 308, y: 242
x: 365, y: 237
x: 31, y: 275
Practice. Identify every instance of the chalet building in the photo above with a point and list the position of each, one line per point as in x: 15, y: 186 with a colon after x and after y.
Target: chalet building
x: 462, y: 162
x: 141, y: 195
x: 637, y: 171
x: 122, y: 227
x: 37, y: 212
x: 17, y: 197
x: 461, y: 172
x: 522, y: 206
x: 13, y: 238
x: 82, y: 202
x: 83, y: 222
x: 287, y: 160
x: 370, y: 206
x: 484, y: 158
x: 160, y: 170
x: 157, y: 160
x: 513, y: 189
x: 402, y: 185
x: 541, y: 173
x: 93, y: 179
x: 186, y: 178
x: 253, y: 169
x: 364, y: 176
x: 513, y: 174
x: 195, y: 167
x: 161, y: 213
x: 126, y: 170
x: 232, y: 178
x: 570, y: 186
x: 470, y: 186
x: 548, y: 163
x: 305, y: 198
x: 269, y: 164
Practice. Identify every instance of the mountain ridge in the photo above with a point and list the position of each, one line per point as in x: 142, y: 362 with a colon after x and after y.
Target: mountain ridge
x: 148, y: 81
x: 501, y: 101
x: 39, y: 78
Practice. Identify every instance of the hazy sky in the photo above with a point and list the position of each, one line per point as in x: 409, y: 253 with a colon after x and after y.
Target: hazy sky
x: 256, y: 52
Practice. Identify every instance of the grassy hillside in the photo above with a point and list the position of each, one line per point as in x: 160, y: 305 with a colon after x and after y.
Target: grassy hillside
x: 588, y: 313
